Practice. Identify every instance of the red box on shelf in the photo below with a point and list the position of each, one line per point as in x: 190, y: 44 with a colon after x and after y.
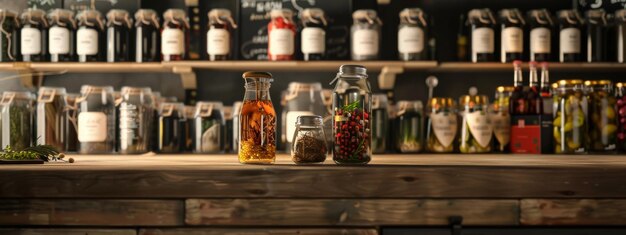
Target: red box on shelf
x: 531, y: 134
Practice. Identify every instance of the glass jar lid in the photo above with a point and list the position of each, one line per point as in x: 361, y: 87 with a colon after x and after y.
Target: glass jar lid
x: 366, y: 15
x: 221, y: 16
x: 176, y: 16
x: 119, y: 17
x: 541, y: 16
x: 61, y: 17
x: 599, y: 85
x: 22, y: 95
x: 167, y: 109
x: 146, y: 17
x: 569, y: 16
x: 379, y: 101
x: 473, y: 100
x: 90, y: 18
x: 572, y: 84
x: 413, y: 16
x: 309, y: 120
x: 86, y: 89
x: 205, y: 109
x: 351, y: 70
x: 620, y: 15
x: 314, y: 15
x: 136, y: 90
x: 484, y: 16
x: 404, y: 106
x: 596, y: 16
x: 34, y: 16
x: 437, y: 103
x: 6, y: 13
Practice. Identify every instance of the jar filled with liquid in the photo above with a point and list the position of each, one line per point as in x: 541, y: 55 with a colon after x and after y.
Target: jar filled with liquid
x: 9, y: 36
x: 119, y: 26
x: 281, y: 33
x: 620, y: 95
x: 476, y: 128
x: 136, y: 117
x: 257, y: 121
x: 34, y: 35
x: 313, y: 35
x: 365, y: 35
x: 174, y: 35
x: 410, y: 129
x: 51, y: 116
x: 570, y: 120
x: 236, y: 125
x: 501, y: 119
x: 482, y: 36
x: 17, y: 111
x: 171, y: 120
x: 209, y: 127
x: 442, y: 125
x: 147, y: 36
x: 570, y: 36
x: 219, y: 39
x: 90, y: 36
x: 412, y: 35
x: 96, y: 120
x: 61, y: 38
x: 602, y: 116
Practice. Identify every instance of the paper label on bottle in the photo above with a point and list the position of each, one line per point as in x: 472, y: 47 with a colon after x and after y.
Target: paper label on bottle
x: 480, y: 127
x: 620, y: 43
x: 30, y: 41
x: 92, y: 127
x: 59, y: 40
x: 129, y: 123
x: 365, y: 42
x: 281, y: 42
x: 410, y: 40
x: 482, y: 40
x: 172, y: 41
x: 218, y: 42
x: 444, y: 126
x: 87, y: 41
x: 540, y: 40
x: 313, y: 40
x: 501, y: 127
x: 292, y: 117
x: 512, y: 40
x: 570, y: 40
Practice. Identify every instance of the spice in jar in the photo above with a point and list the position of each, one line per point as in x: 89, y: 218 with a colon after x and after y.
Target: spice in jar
x: 34, y: 35
x: 17, y: 119
x: 412, y: 35
x: 174, y: 35
x: 501, y: 119
x: 96, y: 120
x: 620, y: 95
x: 301, y: 99
x: 380, y: 123
x: 90, y: 38
x: 512, y: 35
x: 257, y: 121
x: 61, y: 40
x: 365, y: 35
x: 441, y: 130
x: 51, y: 117
x: 540, y: 23
x: 309, y: 143
x: 570, y: 120
x: 482, y: 36
x: 9, y: 36
x: 147, y: 45
x: 313, y: 35
x: 409, y: 117
x: 570, y: 36
x: 170, y: 132
x: 119, y: 24
x: 281, y: 35
x: 221, y: 25
x: 209, y: 125
x: 602, y: 116
x: 136, y: 117
x: 476, y: 128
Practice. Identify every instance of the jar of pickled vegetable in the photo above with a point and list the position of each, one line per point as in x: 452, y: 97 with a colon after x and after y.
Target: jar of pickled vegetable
x: 409, y: 120
x: 620, y: 95
x: 257, y: 122
x: 281, y: 35
x: 442, y: 125
x: 33, y: 35
x: 17, y: 119
x: 603, y: 117
x: 570, y: 120
x: 61, y: 43
x: 51, y: 117
x: 380, y: 123
x: 501, y: 119
x: 209, y: 127
x: 476, y: 128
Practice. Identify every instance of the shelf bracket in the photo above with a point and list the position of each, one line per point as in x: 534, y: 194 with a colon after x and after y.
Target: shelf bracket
x: 187, y: 76
x: 387, y: 77
x: 26, y: 75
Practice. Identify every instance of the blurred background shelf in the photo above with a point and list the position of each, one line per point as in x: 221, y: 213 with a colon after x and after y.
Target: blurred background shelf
x: 374, y: 66
x: 553, y: 66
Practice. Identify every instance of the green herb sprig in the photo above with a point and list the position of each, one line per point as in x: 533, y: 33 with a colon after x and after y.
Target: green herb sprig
x: 43, y: 152
x: 351, y: 107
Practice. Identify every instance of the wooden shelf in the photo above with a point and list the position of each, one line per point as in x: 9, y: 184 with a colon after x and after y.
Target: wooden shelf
x: 373, y: 66
x: 504, y: 67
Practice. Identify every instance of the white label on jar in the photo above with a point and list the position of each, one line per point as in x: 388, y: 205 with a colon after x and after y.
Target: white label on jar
x: 281, y: 42
x: 31, y: 41
x: 501, y: 127
x: 410, y: 40
x: 445, y: 127
x: 480, y: 127
x: 92, y: 127
x: 313, y: 40
x: 291, y: 119
x: 570, y: 40
x: 172, y: 41
x: 218, y: 42
x: 87, y: 41
x: 129, y: 123
x: 512, y: 40
x: 365, y: 42
x: 482, y: 40
x: 59, y: 40
x: 540, y: 40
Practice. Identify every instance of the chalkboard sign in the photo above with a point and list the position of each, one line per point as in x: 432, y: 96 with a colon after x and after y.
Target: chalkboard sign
x: 45, y: 4
x: 608, y: 6
x: 103, y: 5
x: 255, y: 15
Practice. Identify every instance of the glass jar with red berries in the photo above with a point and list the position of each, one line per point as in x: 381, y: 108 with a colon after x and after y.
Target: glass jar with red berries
x: 281, y: 32
x: 620, y: 95
x: 351, y: 122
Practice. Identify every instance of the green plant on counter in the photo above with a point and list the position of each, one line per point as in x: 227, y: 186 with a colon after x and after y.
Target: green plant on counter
x: 40, y: 152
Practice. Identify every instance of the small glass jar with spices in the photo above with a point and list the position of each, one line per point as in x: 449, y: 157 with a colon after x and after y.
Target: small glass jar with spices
x: 380, y: 123
x: 209, y: 127
x: 257, y: 121
x: 301, y: 99
x: 51, y: 117
x: 412, y: 35
x: 96, y: 120
x: 365, y: 35
x: 602, y: 120
x: 136, y: 117
x: 570, y: 120
x: 501, y: 119
x: 90, y: 37
x: 476, y: 128
x: 219, y: 40
x: 17, y: 111
x: 61, y: 39
x: 313, y: 35
x: 442, y: 125
x: 620, y: 95
x: 147, y: 38
x: 34, y: 35
x: 119, y: 26
x: 174, y: 36
x: 309, y: 141
x: 410, y: 124
x: 170, y: 127
x: 281, y: 33
x: 9, y: 36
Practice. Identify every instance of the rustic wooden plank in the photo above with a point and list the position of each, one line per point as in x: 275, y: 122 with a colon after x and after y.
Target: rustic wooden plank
x: 92, y: 212
x: 66, y: 231
x: 315, y: 212
x: 573, y: 212
x: 259, y: 231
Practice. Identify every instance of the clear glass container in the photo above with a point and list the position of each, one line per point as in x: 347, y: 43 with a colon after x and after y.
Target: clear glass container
x: 281, y: 33
x: 147, y: 38
x: 301, y: 99
x: 570, y: 121
x: 570, y: 36
x: 309, y: 141
x: 171, y: 133
x: 9, y: 41
x: 620, y: 95
x: 34, y: 35
x: 541, y: 26
x: 380, y: 123
x: 174, y: 36
x: 71, y: 126
x: 119, y: 26
x: 209, y: 127
x: 602, y: 120
x: 620, y: 30
x: 136, y: 120
x: 501, y: 119
x: 90, y: 37
x: 219, y: 39
x: 61, y: 38
x: 96, y: 120
x: 597, y: 35
x: 412, y: 35
x: 482, y: 36
x: 365, y: 34
x: 236, y: 125
x: 17, y: 119
x: 511, y: 35
x: 352, y: 107
x: 313, y: 34
x: 410, y: 119
x: 442, y: 125
x: 189, y: 127
x: 257, y: 122
x: 476, y: 128
x: 51, y: 116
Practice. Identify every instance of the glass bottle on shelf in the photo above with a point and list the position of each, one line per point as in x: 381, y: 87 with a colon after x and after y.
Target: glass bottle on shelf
x: 546, y: 90
x: 313, y: 35
x: 136, y: 117
x: 511, y: 35
x: 597, y: 35
x: 189, y: 126
x: 171, y: 117
x: 365, y: 34
x: 380, y: 123
x: 221, y: 25
x: 281, y: 33
x: 461, y: 40
x: 442, y: 125
x: 17, y: 119
x: 352, y: 108
x: 9, y: 39
x: 51, y: 117
x: 209, y: 126
x: 570, y: 36
x: 501, y: 119
x: 301, y: 99
x: 236, y: 125
x: 90, y: 38
x: 602, y: 119
x: 174, y: 35
x: 620, y: 31
x: 61, y: 39
x: 620, y: 95
x: 518, y: 102
x: 410, y: 118
x: 119, y: 26
x: 570, y: 119
x: 412, y: 35
x: 257, y: 122
x: 541, y: 25
x: 533, y: 96
x: 96, y: 120
x: 309, y: 140
x: 476, y: 128
x: 147, y: 44
x: 34, y: 35
x: 482, y: 36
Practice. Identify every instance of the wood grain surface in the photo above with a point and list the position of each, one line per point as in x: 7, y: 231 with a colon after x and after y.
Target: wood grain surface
x: 65, y: 231
x: 573, y: 212
x: 315, y: 212
x: 259, y: 231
